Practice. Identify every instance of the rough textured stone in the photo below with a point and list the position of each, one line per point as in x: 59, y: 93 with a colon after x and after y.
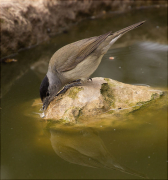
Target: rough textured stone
x: 101, y: 95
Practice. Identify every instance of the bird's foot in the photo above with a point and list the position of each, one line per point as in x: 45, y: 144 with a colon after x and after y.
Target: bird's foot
x: 74, y: 83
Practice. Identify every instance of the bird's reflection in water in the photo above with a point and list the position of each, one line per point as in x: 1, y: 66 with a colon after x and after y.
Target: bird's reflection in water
x: 83, y: 146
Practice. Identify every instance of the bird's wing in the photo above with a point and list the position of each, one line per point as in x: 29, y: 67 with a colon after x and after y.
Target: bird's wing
x: 69, y: 56
x: 78, y: 51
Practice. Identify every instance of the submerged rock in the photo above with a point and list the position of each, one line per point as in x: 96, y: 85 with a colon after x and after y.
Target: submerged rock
x: 99, y: 97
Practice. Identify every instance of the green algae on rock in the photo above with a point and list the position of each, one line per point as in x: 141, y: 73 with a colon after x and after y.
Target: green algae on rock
x: 100, y: 97
x: 73, y: 92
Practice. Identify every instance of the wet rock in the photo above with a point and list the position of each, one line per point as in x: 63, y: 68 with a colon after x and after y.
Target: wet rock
x: 100, y: 96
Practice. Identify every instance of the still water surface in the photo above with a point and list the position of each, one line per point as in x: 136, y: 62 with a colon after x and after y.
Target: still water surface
x: 32, y: 148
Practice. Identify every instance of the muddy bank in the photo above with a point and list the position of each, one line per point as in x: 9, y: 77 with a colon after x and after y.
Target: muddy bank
x: 27, y: 23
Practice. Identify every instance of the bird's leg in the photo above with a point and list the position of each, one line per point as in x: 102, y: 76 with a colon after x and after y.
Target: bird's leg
x: 74, y: 83
x: 49, y: 98
x: 78, y: 80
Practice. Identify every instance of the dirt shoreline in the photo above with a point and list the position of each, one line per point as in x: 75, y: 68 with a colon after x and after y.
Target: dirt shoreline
x: 25, y: 23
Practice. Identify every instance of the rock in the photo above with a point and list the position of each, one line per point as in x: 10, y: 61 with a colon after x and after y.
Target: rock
x: 100, y: 96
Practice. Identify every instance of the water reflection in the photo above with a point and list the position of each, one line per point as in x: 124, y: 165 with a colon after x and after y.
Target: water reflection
x: 83, y: 146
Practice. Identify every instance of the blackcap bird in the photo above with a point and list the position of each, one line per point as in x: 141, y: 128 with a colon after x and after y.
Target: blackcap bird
x: 75, y: 62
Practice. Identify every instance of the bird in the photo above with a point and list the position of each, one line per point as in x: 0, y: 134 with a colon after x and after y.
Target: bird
x: 73, y: 64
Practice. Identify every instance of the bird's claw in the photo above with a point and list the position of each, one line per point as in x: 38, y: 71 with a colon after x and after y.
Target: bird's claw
x: 90, y: 79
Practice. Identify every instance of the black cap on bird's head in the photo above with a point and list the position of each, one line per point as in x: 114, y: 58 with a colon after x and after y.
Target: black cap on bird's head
x: 44, y: 92
x: 49, y: 88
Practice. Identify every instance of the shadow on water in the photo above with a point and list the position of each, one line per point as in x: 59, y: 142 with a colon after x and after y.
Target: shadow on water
x: 83, y: 146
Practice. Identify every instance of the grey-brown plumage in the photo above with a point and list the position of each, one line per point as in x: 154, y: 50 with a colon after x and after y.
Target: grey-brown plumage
x: 75, y: 62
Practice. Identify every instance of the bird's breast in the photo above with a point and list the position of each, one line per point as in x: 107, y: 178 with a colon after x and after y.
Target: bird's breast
x: 84, y: 69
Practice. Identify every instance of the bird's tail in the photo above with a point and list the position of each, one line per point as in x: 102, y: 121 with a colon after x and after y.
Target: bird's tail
x: 113, y: 37
x: 129, y: 28
x: 112, y: 164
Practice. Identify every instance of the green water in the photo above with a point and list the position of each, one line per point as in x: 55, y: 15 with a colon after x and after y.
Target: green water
x: 32, y: 148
